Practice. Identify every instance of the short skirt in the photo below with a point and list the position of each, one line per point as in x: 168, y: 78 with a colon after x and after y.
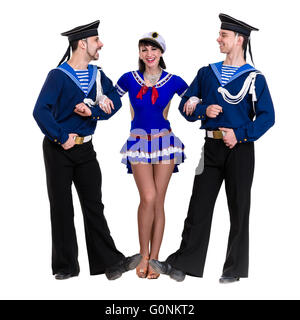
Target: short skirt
x: 152, y: 148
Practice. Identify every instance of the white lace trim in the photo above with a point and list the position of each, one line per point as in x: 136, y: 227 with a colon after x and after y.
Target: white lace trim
x: 152, y: 155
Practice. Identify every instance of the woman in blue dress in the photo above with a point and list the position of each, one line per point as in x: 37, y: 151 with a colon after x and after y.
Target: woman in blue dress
x: 152, y: 152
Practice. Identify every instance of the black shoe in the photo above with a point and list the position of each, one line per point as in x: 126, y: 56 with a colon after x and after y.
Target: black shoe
x: 64, y: 276
x: 224, y: 279
x: 129, y: 263
x: 164, y: 267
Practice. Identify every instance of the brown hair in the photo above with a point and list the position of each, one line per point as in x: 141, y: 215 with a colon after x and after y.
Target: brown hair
x: 74, y: 45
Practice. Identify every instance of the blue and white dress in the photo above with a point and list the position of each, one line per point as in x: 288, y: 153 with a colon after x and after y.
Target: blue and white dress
x: 151, y: 138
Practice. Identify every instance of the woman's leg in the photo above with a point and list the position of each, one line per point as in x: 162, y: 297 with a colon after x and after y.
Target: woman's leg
x: 162, y: 175
x: 143, y: 175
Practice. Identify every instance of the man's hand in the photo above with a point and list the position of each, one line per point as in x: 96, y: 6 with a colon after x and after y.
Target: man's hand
x: 229, y: 138
x: 213, y: 110
x: 70, y: 142
x: 83, y: 110
x: 106, y: 104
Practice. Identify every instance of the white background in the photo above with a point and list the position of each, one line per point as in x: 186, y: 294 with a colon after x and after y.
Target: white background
x: 31, y: 45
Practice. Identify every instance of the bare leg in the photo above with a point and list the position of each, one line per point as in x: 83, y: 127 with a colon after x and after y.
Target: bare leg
x: 144, y: 178
x: 162, y: 175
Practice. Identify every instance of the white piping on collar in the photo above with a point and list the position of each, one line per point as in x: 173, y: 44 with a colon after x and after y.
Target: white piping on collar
x: 160, y: 83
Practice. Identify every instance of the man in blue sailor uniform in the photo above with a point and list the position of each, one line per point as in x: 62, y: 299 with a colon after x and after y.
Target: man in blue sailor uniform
x: 233, y: 101
x: 74, y: 97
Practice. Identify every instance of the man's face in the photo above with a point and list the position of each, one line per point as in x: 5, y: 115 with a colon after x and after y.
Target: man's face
x: 93, y: 46
x: 227, y: 41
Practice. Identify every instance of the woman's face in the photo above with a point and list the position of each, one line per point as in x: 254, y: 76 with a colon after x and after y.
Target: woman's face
x: 150, y: 55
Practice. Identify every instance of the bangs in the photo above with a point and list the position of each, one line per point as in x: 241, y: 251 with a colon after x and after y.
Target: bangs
x: 149, y: 43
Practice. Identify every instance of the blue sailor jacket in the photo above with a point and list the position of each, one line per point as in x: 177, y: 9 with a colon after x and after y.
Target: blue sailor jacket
x: 61, y: 92
x: 249, y: 115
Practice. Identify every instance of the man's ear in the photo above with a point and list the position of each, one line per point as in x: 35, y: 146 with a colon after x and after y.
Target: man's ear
x: 240, y: 40
x: 82, y: 44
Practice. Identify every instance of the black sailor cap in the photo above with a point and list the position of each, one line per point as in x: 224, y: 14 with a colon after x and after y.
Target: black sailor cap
x: 82, y: 32
x: 78, y: 33
x: 230, y: 23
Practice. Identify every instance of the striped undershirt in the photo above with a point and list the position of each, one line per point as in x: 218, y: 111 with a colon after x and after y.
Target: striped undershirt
x: 84, y: 79
x: 227, y: 73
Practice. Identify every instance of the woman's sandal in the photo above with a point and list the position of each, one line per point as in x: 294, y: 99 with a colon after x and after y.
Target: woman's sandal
x: 141, y: 271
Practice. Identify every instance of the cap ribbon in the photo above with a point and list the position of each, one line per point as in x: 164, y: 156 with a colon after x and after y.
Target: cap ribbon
x: 250, y: 51
x: 66, y: 55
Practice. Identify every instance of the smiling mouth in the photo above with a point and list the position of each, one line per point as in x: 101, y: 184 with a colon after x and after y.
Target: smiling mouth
x: 150, y: 60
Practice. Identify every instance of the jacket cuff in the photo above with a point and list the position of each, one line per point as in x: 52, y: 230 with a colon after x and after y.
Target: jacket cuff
x: 61, y: 139
x: 95, y: 116
x: 200, y: 111
x: 240, y: 134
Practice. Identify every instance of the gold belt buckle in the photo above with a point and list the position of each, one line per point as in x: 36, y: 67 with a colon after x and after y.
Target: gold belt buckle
x: 79, y: 140
x: 218, y: 134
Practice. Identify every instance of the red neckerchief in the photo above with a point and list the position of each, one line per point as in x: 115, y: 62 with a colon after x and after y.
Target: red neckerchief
x: 144, y: 90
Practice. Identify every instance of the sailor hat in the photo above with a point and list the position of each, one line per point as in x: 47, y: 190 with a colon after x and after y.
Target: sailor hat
x: 232, y: 24
x: 79, y: 33
x: 155, y: 38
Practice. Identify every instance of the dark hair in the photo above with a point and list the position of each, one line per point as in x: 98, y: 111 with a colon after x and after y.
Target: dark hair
x: 245, y: 43
x: 74, y: 45
x: 142, y: 66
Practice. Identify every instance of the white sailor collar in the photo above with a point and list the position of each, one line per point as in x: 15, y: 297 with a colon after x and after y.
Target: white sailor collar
x: 164, y: 78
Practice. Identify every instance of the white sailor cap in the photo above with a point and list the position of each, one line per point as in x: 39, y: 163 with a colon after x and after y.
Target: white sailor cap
x: 155, y: 38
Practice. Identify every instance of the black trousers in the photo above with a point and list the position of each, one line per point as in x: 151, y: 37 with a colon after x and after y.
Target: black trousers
x: 78, y: 165
x: 236, y: 167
